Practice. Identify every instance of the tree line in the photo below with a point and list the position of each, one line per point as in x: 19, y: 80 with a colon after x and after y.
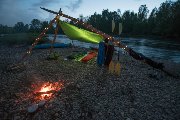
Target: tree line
x: 36, y: 26
x: 162, y: 21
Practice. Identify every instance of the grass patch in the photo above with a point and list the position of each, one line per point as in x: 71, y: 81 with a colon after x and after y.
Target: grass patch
x: 21, y: 38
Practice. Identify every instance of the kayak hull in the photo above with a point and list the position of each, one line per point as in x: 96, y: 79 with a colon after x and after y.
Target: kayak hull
x: 56, y: 45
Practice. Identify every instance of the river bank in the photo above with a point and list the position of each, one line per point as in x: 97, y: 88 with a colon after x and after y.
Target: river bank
x: 140, y: 92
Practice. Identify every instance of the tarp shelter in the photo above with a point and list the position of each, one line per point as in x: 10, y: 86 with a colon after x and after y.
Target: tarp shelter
x: 76, y: 33
x: 87, y: 36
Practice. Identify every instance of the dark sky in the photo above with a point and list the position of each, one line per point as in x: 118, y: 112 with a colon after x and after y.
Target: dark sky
x: 13, y: 11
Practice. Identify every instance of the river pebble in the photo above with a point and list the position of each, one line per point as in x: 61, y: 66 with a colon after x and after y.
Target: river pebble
x: 90, y: 91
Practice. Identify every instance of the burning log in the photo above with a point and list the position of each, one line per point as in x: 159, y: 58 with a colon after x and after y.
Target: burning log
x: 47, y: 92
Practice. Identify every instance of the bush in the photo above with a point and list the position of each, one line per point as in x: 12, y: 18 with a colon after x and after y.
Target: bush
x: 20, y: 38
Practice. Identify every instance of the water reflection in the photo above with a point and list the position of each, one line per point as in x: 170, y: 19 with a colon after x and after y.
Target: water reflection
x: 157, y: 49
x: 166, y: 44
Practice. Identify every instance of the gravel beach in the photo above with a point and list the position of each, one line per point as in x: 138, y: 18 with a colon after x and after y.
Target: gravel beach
x: 89, y: 92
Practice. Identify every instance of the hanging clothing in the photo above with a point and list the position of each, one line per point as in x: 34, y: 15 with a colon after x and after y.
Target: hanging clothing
x: 109, y: 50
x: 101, y: 54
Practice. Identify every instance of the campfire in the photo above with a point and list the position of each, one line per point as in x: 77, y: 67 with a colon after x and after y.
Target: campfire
x: 47, y: 90
x: 43, y: 92
x: 38, y: 95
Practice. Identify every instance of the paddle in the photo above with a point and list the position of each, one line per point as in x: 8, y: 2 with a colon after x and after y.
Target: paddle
x: 117, y: 67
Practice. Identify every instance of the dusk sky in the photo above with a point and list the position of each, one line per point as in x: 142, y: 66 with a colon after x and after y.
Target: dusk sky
x: 13, y: 11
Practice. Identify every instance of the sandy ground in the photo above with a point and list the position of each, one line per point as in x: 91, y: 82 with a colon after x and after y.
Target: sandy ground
x: 89, y: 92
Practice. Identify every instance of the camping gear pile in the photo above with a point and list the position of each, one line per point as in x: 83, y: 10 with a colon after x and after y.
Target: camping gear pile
x: 83, y: 56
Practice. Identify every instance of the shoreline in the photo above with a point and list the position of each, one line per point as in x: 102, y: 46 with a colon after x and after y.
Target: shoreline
x: 140, y: 92
x: 154, y: 49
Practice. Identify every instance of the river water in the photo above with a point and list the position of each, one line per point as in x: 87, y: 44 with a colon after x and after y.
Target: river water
x: 155, y: 49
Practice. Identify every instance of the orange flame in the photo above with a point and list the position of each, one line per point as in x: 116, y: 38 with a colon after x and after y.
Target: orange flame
x: 46, y: 88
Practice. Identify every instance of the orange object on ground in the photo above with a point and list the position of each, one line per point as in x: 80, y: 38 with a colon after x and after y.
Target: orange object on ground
x: 89, y: 56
